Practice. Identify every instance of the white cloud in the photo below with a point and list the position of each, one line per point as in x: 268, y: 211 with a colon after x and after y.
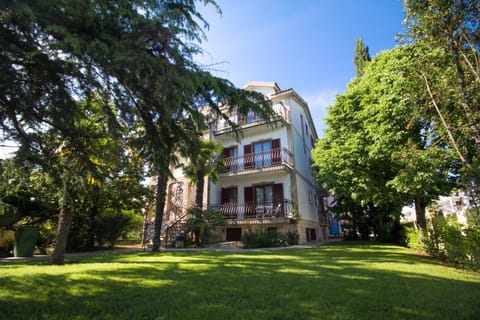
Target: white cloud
x: 318, y: 103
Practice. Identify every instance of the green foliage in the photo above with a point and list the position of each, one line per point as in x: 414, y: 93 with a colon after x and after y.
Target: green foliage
x: 200, y: 221
x: 110, y: 225
x: 361, y: 57
x: 412, y: 238
x: 292, y: 238
x: 261, y: 239
x: 48, y: 233
x: 380, y: 152
x: 269, y: 238
x: 472, y: 233
x: 452, y: 74
x: 131, y: 63
x: 449, y: 240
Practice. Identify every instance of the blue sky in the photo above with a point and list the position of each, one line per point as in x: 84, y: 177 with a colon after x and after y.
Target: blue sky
x: 306, y: 45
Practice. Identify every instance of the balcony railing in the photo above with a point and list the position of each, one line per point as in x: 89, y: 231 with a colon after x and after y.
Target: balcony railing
x: 254, y: 210
x: 259, y: 160
x: 250, y: 119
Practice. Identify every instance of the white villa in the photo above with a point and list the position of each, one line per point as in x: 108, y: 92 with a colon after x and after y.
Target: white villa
x: 268, y: 181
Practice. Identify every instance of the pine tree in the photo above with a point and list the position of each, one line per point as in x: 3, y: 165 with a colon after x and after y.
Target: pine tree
x: 361, y: 58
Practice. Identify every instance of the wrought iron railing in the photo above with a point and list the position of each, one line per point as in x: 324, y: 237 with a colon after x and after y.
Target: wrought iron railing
x: 251, y: 118
x: 259, y: 160
x: 173, y: 228
x: 254, y: 210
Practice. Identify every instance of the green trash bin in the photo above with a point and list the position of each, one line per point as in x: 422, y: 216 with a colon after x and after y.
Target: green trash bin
x: 25, y: 241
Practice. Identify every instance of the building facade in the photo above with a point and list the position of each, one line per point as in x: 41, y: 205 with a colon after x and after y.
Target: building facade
x: 267, y: 182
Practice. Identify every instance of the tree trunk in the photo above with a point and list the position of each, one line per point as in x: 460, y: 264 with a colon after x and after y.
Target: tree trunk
x: 200, y: 187
x: 420, y: 208
x: 64, y: 222
x: 160, y: 196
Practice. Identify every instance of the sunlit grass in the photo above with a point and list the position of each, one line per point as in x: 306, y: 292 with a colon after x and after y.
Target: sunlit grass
x: 336, y: 281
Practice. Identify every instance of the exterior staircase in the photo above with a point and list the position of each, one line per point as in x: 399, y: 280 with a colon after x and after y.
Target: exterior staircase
x: 170, y: 229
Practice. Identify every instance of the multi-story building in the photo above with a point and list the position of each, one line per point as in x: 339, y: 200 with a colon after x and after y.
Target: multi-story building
x: 267, y: 181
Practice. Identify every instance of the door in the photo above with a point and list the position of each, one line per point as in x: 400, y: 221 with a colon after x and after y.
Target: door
x: 262, y: 151
x: 229, y: 202
x: 234, y: 234
x: 230, y: 156
x: 264, y: 201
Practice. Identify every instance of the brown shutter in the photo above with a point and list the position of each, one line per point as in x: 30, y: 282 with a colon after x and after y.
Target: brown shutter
x: 248, y: 156
x: 225, y: 152
x: 276, y: 151
x: 249, y: 203
x: 278, y: 202
x: 224, y: 196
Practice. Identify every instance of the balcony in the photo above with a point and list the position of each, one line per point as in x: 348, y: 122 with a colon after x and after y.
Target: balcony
x: 251, y: 119
x: 257, y: 213
x: 271, y: 160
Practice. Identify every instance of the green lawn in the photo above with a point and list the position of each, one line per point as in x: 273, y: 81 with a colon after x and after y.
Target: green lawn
x: 336, y: 281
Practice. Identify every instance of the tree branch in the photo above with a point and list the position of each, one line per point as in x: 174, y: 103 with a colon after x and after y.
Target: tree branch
x: 444, y: 122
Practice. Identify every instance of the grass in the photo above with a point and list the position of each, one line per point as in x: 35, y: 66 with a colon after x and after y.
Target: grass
x: 336, y: 281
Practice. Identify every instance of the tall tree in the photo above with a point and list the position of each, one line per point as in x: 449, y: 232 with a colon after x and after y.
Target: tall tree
x: 361, y: 57
x: 452, y: 28
x: 378, y: 138
x: 135, y: 54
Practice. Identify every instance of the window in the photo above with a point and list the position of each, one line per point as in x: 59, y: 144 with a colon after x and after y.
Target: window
x: 230, y: 155
x: 264, y: 194
x: 311, y: 234
x: 229, y: 202
x: 262, y: 151
x: 265, y: 200
x: 229, y: 195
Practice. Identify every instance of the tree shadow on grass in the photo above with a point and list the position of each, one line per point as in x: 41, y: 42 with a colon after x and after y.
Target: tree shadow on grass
x: 330, y: 282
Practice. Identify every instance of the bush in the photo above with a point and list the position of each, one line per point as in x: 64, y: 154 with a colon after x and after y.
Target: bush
x: 455, y: 242
x: 449, y: 240
x: 260, y: 239
x: 292, y: 238
x: 269, y: 238
x: 411, y: 237
x: 110, y: 225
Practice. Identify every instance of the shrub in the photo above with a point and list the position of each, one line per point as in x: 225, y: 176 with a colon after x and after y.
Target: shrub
x: 411, y: 237
x: 111, y: 224
x: 449, y: 240
x: 269, y: 238
x: 260, y: 239
x: 292, y: 238
x: 455, y: 243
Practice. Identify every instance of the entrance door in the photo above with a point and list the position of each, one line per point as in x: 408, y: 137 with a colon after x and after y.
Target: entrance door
x: 234, y: 234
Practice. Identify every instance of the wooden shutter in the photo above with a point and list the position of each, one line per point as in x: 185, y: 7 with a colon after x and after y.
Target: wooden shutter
x: 276, y: 151
x: 224, y: 196
x: 249, y: 201
x: 226, y: 152
x: 278, y: 203
x: 248, y: 156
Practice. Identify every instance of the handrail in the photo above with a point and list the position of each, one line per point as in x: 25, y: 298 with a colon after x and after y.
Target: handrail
x: 259, y: 160
x: 170, y: 226
x: 256, y: 210
x: 251, y: 118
